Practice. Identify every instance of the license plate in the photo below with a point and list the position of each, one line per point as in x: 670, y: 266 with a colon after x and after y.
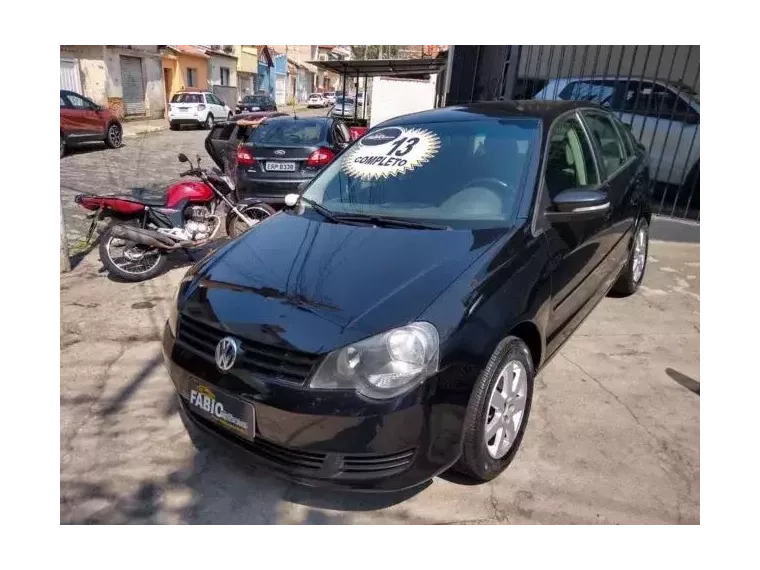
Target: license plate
x: 183, y: 108
x: 280, y: 166
x: 221, y: 408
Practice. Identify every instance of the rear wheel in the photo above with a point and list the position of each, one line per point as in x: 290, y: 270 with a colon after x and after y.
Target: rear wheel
x: 63, y: 146
x: 256, y: 212
x: 229, y: 116
x: 113, y: 136
x: 128, y: 260
x: 633, y: 272
x: 173, y: 126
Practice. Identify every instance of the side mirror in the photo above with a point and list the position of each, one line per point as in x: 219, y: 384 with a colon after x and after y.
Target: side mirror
x: 183, y: 157
x: 577, y: 205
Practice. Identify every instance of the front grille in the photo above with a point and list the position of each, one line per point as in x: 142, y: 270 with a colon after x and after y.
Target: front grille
x: 280, y: 364
x: 377, y: 464
x: 316, y: 464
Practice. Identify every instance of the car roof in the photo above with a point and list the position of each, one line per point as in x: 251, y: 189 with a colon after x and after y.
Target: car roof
x: 545, y: 111
x: 284, y: 117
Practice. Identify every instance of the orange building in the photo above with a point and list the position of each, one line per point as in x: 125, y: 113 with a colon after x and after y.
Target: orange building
x: 184, y: 67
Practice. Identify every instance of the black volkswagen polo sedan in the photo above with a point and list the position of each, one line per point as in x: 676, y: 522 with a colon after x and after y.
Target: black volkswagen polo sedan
x: 389, y: 323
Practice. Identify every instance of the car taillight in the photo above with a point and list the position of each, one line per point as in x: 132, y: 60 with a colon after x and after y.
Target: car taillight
x: 245, y: 158
x: 201, y: 106
x: 320, y: 157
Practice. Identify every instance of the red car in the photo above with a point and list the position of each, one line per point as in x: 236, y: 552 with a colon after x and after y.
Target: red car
x: 84, y: 121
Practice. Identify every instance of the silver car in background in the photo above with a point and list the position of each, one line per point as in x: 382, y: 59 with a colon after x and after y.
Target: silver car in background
x: 344, y: 107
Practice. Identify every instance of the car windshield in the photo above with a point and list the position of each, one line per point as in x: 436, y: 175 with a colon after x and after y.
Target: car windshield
x: 290, y: 132
x: 348, y: 100
x: 187, y: 98
x: 253, y: 100
x: 471, y: 173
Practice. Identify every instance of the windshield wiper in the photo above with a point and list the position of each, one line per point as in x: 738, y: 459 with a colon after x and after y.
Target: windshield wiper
x: 388, y: 222
x: 317, y: 206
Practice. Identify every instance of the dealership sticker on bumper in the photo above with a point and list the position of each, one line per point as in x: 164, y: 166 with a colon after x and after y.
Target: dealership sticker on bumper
x: 229, y: 412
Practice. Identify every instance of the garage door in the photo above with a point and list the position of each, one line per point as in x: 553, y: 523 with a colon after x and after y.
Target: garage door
x: 70, y: 75
x: 133, y: 88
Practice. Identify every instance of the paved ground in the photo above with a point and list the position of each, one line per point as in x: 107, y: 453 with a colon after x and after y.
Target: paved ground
x: 613, y: 436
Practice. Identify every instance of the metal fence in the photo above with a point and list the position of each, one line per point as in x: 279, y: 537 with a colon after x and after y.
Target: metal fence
x: 654, y: 89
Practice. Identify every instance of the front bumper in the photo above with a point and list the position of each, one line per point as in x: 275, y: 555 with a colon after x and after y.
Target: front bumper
x: 333, y: 439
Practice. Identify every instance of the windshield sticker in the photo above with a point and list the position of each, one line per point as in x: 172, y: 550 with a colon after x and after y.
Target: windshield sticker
x: 390, y: 152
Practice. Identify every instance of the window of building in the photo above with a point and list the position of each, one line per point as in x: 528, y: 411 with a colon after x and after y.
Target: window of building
x: 192, y: 77
x: 224, y: 75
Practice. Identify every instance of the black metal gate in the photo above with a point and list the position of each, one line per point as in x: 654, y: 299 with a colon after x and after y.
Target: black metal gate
x: 655, y: 89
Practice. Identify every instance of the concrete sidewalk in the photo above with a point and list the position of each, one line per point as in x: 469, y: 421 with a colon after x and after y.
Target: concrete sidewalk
x: 132, y: 129
x: 613, y: 436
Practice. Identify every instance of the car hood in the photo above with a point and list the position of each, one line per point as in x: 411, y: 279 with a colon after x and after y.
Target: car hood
x: 314, y: 286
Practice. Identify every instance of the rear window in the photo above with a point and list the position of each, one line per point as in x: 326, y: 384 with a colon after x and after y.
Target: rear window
x: 254, y: 100
x: 297, y: 132
x: 187, y: 98
x: 316, y: 95
x: 471, y: 173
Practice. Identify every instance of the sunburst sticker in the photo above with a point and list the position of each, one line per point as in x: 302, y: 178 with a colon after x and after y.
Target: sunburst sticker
x: 390, y: 152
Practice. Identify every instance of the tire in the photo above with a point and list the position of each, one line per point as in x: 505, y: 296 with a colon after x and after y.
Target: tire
x: 173, y: 126
x: 632, y: 276
x: 235, y: 226
x: 113, y: 135
x: 60, y: 147
x: 209, y: 123
x: 229, y: 116
x: 114, y: 269
x: 691, y: 186
x: 477, y: 462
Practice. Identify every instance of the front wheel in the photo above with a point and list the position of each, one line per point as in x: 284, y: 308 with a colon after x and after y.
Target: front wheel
x: 128, y: 260
x: 255, y: 212
x: 113, y: 136
x: 229, y: 116
x: 497, y: 412
x: 209, y: 124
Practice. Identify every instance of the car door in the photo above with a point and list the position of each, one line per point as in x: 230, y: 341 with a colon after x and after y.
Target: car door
x: 618, y: 167
x: 223, y: 110
x: 340, y: 136
x: 82, y: 119
x: 666, y: 121
x: 577, y: 248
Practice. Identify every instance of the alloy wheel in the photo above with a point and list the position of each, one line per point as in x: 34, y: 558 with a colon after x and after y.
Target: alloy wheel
x: 506, y: 408
x: 114, y: 136
x: 640, y: 253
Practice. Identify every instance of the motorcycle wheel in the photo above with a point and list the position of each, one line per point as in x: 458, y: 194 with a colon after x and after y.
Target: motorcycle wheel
x: 257, y: 212
x: 128, y: 260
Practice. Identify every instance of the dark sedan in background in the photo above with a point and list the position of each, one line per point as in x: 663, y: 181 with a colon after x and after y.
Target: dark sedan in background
x: 285, y: 152
x: 389, y: 324
x: 253, y: 103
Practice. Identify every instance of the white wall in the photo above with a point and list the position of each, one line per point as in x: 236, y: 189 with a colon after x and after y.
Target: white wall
x: 391, y: 97
x: 92, y: 71
x: 218, y: 61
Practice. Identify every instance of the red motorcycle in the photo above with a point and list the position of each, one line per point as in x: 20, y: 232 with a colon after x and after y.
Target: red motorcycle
x: 145, y: 230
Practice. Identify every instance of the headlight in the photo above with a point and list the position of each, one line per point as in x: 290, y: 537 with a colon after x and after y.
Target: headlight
x: 384, y: 365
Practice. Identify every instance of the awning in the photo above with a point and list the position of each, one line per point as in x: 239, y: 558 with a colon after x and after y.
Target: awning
x: 382, y: 67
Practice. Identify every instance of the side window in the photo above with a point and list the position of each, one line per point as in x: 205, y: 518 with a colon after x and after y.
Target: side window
x: 79, y: 102
x: 64, y: 102
x: 569, y: 160
x: 611, y: 146
x: 598, y: 91
x: 654, y: 100
x: 627, y: 136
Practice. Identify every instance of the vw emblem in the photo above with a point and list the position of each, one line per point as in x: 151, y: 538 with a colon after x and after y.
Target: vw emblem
x: 279, y: 152
x: 226, y: 352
